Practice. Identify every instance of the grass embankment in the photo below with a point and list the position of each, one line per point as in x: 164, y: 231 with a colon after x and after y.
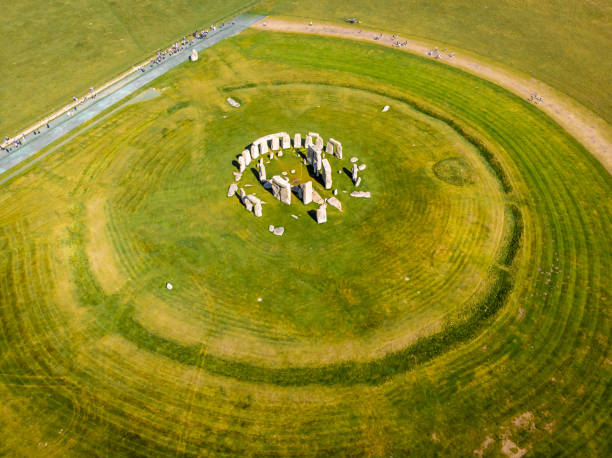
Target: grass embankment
x: 560, y: 43
x: 97, y: 355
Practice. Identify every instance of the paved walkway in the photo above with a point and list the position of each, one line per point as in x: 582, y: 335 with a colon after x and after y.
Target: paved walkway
x: 113, y: 94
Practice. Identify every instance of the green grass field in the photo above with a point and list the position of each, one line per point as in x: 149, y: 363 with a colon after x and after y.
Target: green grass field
x: 560, y: 43
x: 498, y: 343
x: 51, y: 51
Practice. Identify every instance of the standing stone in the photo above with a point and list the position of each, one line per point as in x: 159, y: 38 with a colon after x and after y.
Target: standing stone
x: 275, y: 144
x: 310, y: 155
x: 262, y: 171
x: 297, y: 141
x: 286, y: 141
x: 255, y: 204
x: 308, y: 141
x: 319, y: 143
x: 257, y: 209
x: 355, y: 173
x: 254, y: 151
x: 337, y: 147
x: 327, y: 174
x: 306, y: 192
x: 322, y: 214
x: 281, y: 189
x: 248, y: 205
x: 339, y: 151
x: 232, y: 190
x: 247, y: 157
x: 329, y: 148
x: 241, y: 164
x: 263, y: 147
x: 318, y: 161
x: 358, y: 182
x: 193, y: 56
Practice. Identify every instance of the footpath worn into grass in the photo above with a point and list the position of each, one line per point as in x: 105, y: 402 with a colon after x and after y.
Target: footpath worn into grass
x: 464, y: 308
x: 593, y: 132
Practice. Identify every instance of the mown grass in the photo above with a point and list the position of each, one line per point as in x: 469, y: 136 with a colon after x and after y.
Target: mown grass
x: 559, y: 43
x: 51, y: 51
x: 534, y: 345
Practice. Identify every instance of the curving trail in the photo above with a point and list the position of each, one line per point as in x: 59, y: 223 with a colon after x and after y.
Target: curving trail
x: 592, y: 131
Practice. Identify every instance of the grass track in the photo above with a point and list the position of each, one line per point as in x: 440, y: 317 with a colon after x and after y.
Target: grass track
x: 545, y: 353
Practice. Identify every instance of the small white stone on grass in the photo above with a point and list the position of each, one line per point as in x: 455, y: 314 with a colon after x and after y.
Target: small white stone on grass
x: 335, y: 192
x: 362, y: 167
x: 231, y: 101
x: 292, y: 170
x: 279, y: 230
x: 385, y: 108
x: 279, y: 154
x: 283, y: 173
x: 271, y: 228
x: 259, y: 299
x: 407, y: 278
x: 169, y: 285
x: 294, y: 216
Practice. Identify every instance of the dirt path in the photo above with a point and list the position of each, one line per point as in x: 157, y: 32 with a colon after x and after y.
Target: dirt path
x: 593, y: 132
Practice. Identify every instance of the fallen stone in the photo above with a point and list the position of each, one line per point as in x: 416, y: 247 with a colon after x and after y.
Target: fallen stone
x: 231, y: 101
x: 385, y: 108
x: 279, y: 230
x: 365, y: 194
x: 232, y: 190
x: 362, y: 167
x: 316, y: 198
x: 358, y: 182
x: 354, y: 159
x: 283, y: 173
x: 169, y: 285
x: 271, y: 228
x: 294, y: 216
x: 335, y: 203
x: 292, y: 170
x: 279, y: 154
